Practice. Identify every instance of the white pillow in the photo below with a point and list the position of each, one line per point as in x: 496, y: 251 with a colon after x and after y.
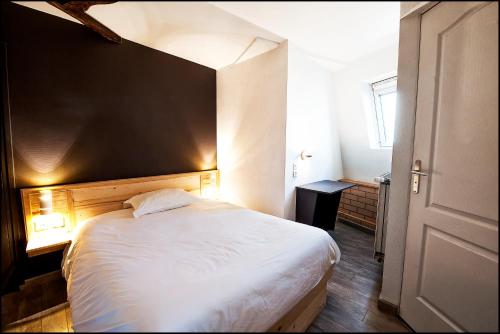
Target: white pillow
x: 160, y: 200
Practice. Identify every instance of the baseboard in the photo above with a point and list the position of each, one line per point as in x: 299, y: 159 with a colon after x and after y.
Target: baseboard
x: 357, y: 226
x: 387, y: 307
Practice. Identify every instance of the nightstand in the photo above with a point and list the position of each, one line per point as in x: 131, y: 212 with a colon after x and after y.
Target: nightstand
x: 47, y: 219
x: 43, y: 244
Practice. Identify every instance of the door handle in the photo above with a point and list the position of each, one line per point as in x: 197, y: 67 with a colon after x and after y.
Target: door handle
x: 416, y: 173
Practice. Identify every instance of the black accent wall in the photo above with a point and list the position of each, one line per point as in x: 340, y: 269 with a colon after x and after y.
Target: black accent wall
x: 79, y: 108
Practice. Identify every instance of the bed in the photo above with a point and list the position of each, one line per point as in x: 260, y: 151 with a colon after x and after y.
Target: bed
x: 209, y: 266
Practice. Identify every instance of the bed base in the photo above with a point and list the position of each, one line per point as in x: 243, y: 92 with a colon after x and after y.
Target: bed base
x: 302, y: 315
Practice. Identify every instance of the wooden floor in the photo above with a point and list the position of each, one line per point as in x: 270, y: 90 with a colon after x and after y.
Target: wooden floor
x: 354, y: 287
x: 351, y: 303
x: 56, y: 319
x: 40, y: 306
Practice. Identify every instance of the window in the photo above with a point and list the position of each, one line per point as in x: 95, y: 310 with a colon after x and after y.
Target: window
x: 384, y: 98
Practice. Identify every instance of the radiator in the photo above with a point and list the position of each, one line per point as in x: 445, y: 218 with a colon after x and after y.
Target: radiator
x: 382, y: 210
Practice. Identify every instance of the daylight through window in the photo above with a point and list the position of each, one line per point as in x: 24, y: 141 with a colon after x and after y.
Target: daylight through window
x: 384, y: 97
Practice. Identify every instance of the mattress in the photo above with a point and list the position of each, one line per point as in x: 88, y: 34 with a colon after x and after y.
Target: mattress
x: 209, y: 266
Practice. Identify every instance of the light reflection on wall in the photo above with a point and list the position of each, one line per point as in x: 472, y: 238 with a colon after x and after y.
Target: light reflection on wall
x: 42, y: 143
x: 44, y: 154
x: 206, y: 157
x: 47, y: 179
x: 230, y: 154
x: 208, y: 161
x: 246, y: 155
x: 31, y: 177
x: 229, y: 158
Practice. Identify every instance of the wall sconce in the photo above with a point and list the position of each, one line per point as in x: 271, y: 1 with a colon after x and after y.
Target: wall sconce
x: 304, y: 155
x: 47, y: 219
x: 45, y: 202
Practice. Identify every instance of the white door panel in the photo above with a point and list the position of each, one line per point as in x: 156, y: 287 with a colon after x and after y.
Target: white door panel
x: 466, y: 116
x: 446, y: 257
x: 470, y: 229
x: 450, y: 279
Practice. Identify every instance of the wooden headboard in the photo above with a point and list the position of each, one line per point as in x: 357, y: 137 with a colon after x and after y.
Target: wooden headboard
x: 80, y: 201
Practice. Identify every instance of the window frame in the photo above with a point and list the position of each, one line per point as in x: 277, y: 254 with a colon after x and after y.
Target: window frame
x: 379, y: 89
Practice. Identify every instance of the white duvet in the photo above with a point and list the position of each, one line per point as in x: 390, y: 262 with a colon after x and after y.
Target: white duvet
x: 210, y: 266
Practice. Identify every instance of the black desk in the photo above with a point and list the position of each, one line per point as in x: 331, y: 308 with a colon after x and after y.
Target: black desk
x: 317, y: 203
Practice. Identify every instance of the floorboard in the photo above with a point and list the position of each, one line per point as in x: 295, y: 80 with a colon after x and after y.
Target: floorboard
x: 354, y: 287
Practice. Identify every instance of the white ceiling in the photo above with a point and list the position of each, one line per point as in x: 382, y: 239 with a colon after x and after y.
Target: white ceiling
x: 336, y: 33
x: 215, y: 34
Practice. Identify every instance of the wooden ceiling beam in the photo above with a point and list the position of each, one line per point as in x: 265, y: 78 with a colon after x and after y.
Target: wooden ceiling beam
x: 77, y: 9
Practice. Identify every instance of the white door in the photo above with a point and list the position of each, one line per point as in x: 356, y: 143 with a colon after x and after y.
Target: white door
x: 450, y: 279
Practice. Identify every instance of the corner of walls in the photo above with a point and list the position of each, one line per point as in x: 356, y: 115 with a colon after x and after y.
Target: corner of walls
x: 310, y: 125
x: 269, y: 109
x: 251, y: 131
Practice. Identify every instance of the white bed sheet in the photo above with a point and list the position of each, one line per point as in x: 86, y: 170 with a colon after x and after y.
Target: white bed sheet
x: 210, y: 266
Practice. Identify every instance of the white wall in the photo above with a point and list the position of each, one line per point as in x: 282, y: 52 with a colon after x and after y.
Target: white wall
x: 310, y: 125
x: 356, y: 117
x: 251, y: 131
